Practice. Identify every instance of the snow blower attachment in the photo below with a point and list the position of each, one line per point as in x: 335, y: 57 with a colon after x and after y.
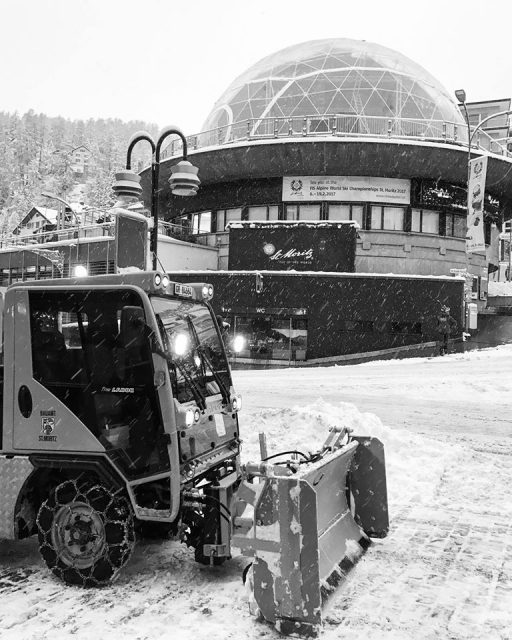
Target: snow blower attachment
x: 312, y: 521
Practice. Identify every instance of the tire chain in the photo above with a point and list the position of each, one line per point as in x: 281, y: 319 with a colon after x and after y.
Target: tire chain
x: 115, y: 512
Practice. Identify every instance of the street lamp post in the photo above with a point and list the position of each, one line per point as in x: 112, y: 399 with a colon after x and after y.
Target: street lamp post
x: 183, y: 180
x: 460, y: 94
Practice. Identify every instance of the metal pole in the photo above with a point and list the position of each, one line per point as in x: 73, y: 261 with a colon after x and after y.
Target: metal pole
x: 155, y: 172
x: 509, y: 250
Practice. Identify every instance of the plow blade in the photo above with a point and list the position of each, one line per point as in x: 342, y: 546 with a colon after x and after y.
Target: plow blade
x: 305, y: 539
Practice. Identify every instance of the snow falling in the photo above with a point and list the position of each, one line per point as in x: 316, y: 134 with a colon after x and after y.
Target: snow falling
x: 444, y: 572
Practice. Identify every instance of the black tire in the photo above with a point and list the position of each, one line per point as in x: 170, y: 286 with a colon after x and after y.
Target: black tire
x: 147, y: 530
x: 86, y: 533
x: 202, y: 559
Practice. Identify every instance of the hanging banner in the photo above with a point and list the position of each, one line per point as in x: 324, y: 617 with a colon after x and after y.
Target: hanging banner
x: 476, y: 190
x: 346, y: 189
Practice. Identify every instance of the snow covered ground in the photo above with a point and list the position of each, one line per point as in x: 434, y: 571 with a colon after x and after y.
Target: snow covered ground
x: 444, y: 572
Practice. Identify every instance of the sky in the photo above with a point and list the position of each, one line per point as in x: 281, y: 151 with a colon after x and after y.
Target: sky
x: 167, y: 62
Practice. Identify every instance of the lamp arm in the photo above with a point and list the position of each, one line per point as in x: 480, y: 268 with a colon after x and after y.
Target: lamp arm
x: 137, y: 137
x: 480, y: 124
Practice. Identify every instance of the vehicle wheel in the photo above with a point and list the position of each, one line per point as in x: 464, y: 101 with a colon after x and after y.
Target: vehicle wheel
x: 202, y: 559
x: 86, y: 533
x: 148, y: 530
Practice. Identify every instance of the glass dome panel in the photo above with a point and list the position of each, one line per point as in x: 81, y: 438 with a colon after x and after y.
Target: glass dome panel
x: 342, y: 77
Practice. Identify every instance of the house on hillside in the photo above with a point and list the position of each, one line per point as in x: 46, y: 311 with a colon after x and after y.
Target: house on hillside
x: 37, y: 220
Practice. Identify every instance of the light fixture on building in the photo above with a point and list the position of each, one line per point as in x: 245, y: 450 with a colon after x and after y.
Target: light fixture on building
x: 80, y: 271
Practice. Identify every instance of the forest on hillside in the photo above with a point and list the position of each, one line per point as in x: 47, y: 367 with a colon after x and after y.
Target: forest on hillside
x: 36, y: 155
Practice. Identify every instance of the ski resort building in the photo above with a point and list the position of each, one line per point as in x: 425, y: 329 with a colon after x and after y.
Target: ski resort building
x: 315, y: 136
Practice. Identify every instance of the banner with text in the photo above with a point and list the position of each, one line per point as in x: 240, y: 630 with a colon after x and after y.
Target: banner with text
x: 346, y: 189
x: 476, y: 190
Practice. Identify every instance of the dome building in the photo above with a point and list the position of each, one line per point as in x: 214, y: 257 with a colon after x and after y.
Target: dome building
x: 349, y: 151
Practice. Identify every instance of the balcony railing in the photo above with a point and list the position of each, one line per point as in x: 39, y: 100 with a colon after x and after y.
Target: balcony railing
x: 337, y: 125
x: 58, y: 235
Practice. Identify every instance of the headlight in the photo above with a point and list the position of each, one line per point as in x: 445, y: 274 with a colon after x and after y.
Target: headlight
x: 236, y: 403
x: 165, y: 281
x: 158, y: 279
x: 192, y: 415
x: 238, y: 343
x: 180, y: 344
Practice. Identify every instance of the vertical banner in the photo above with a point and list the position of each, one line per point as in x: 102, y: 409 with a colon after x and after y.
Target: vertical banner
x: 476, y: 190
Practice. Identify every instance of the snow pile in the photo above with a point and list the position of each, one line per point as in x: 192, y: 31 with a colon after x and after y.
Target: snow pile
x: 414, y: 463
x: 499, y: 289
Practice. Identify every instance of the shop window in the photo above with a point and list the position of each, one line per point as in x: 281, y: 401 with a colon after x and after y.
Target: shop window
x: 309, y: 212
x: 273, y: 212
x: 272, y: 337
x: 257, y: 213
x: 339, y: 212
x: 233, y: 215
x: 262, y: 213
x: 342, y: 212
x: 291, y: 212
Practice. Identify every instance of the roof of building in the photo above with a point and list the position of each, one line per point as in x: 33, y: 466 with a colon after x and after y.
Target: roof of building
x: 334, y: 76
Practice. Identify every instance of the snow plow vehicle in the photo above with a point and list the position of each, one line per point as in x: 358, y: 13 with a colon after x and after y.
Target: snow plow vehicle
x: 119, y: 413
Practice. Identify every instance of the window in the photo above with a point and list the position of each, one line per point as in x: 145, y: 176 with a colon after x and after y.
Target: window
x: 309, y: 212
x: 376, y: 218
x: 393, y: 218
x: 455, y: 225
x: 273, y: 337
x: 303, y: 212
x: 263, y: 212
x: 388, y: 218
x: 257, y: 213
x: 84, y: 352
x: 339, y: 212
x: 233, y: 215
x: 425, y: 221
x: 291, y: 212
x: 220, y: 224
x: 202, y: 222
x: 198, y: 368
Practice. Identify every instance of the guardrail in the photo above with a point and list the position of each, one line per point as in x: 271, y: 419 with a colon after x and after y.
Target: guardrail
x: 337, y: 125
x: 58, y: 235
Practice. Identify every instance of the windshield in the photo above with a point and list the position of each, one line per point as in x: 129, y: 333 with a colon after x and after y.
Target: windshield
x: 198, y: 365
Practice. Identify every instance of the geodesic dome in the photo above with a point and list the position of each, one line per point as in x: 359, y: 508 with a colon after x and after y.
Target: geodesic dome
x: 343, y: 77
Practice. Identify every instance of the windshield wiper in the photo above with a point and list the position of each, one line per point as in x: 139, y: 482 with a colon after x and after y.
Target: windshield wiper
x: 224, y: 391
x: 205, y: 358
x: 196, y: 391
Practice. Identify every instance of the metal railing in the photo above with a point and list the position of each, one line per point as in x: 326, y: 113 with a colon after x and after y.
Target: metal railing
x: 337, y: 125
x: 170, y: 230
x: 58, y: 235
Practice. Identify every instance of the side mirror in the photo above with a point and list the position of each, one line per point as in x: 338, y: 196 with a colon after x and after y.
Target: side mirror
x: 133, y: 324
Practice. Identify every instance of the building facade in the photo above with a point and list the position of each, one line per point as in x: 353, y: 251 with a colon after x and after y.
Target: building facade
x: 341, y: 130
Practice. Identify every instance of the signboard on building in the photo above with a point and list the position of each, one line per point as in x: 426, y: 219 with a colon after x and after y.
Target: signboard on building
x: 298, y: 247
x: 476, y: 190
x: 346, y: 189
